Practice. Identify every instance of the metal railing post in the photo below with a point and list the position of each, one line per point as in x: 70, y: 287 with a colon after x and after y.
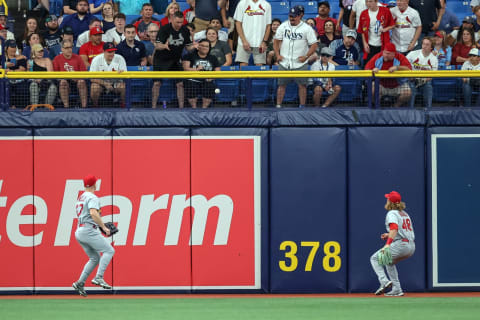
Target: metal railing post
x: 369, y: 92
x: 248, y: 92
x: 127, y: 93
x: 377, y: 93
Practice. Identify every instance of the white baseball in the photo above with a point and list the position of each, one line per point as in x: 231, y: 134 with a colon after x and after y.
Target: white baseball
x: 217, y: 91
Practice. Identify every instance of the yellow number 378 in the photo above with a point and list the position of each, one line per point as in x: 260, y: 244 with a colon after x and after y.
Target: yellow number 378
x: 330, y: 248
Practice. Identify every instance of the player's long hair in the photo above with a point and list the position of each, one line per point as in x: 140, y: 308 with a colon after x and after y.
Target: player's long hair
x: 400, y: 206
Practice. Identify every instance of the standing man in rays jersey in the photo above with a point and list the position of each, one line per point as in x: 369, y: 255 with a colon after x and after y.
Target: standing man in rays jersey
x: 294, y: 43
x: 252, y: 20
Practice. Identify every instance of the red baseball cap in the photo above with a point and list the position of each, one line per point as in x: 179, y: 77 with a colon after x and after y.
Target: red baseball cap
x: 439, y: 34
x: 89, y: 181
x: 96, y: 30
x: 390, y: 47
x: 394, y: 197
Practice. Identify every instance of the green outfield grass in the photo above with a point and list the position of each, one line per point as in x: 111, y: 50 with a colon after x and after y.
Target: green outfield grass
x: 242, y: 308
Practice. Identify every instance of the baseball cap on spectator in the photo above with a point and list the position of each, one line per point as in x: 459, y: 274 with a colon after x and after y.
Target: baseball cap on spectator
x: 468, y: 19
x: 95, y: 30
x: 390, y: 47
x: 351, y: 33
x: 392, y: 3
x: 89, y: 181
x: 51, y: 17
x: 296, y: 11
x: 439, y: 34
x: 474, y: 52
x: 326, y: 51
x: 109, y: 46
x: 324, y: 3
x: 10, y: 43
x: 67, y: 30
x: 394, y: 197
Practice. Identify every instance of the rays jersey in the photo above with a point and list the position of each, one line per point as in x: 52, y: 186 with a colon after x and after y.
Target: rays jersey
x: 295, y: 43
x: 404, y: 223
x: 84, y: 203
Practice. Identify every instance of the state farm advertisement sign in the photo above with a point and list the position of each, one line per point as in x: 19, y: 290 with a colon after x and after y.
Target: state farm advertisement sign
x: 188, y: 211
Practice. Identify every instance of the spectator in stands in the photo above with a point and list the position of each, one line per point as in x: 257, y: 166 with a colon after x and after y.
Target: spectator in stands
x: 84, y: 37
x: 215, y: 24
x: 3, y: 23
x: 39, y: 63
x: 294, y: 44
x: 52, y: 36
x: 69, y: 6
x: 200, y: 60
x: 324, y: 84
x: 218, y: 48
x: 92, y: 48
x: 31, y: 26
x: 169, y: 14
x: 146, y: 19
x: 107, y: 61
x: 70, y: 62
x: 130, y: 7
x: 344, y: 15
x: 108, y: 15
x: 408, y: 27
x: 474, y: 3
x: 456, y: 35
x: 323, y: 16
x: 271, y: 58
x: 375, y: 35
x: 206, y: 10
x: 422, y: 60
x: 431, y: 13
x: 329, y: 34
x: 391, y: 60
x: 476, y: 21
x: 133, y: 51
x: 189, y: 13
x: 15, y: 62
x: 96, y: 6
x: 79, y: 21
x: 358, y: 7
x: 311, y: 22
x: 66, y: 35
x: 116, y: 35
x: 469, y: 84
x: 169, y: 45
x: 441, y: 50
x: 32, y: 39
x: 252, y: 21
x: 449, y: 21
x: 346, y: 51
x: 152, y: 31
x: 462, y: 48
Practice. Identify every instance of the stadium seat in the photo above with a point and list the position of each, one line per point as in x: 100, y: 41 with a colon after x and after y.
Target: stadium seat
x: 280, y: 8
x: 183, y: 5
x: 310, y: 6
x: 131, y: 18
x: 229, y: 88
x: 460, y: 9
x: 281, y: 17
x: 446, y: 89
x: 351, y: 87
x: 262, y: 92
x: 139, y: 88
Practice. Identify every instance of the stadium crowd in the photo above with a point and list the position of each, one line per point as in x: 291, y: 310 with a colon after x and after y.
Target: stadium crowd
x: 118, y: 35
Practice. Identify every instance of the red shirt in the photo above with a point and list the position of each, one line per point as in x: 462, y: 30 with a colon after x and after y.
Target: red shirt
x: 91, y: 51
x: 460, y: 50
x: 165, y: 21
x: 320, y: 23
x: 386, y: 20
x: 75, y: 63
x: 388, y: 82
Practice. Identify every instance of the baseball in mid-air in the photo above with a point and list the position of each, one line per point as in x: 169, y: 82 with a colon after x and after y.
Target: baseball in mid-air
x: 217, y: 91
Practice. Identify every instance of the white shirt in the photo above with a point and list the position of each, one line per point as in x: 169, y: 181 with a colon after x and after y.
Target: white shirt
x: 420, y: 62
x: 100, y: 64
x: 404, y: 223
x: 254, y: 16
x: 295, y: 43
x: 83, y: 38
x: 222, y: 35
x: 467, y: 65
x: 359, y: 6
x: 405, y: 27
x: 374, y: 35
x: 112, y: 36
x: 318, y: 66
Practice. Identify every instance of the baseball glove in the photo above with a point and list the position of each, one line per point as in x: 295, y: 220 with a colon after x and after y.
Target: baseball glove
x: 385, y: 256
x: 111, y: 226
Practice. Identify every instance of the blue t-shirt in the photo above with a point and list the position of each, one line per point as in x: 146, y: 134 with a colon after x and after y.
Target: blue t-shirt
x: 133, y: 56
x: 449, y: 21
x: 78, y: 26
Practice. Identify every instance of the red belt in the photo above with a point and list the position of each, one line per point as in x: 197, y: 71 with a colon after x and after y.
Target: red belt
x: 84, y: 224
x: 405, y: 240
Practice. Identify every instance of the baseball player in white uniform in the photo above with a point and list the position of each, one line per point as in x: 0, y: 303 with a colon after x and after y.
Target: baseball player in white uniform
x: 401, y: 240
x: 89, y: 237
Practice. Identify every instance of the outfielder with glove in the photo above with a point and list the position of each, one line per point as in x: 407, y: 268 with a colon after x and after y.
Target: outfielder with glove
x: 400, y: 245
x: 89, y: 237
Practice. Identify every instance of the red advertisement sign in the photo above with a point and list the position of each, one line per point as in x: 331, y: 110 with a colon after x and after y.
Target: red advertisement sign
x: 188, y: 211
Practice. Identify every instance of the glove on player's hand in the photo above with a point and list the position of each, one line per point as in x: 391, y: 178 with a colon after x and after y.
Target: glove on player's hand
x: 385, y: 256
x: 111, y: 226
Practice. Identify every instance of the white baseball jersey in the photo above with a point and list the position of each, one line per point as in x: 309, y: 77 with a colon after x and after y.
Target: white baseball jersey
x: 254, y: 16
x: 295, y: 43
x: 318, y: 66
x: 420, y: 62
x: 467, y: 65
x: 404, y: 223
x: 100, y: 64
x: 113, y: 36
x: 85, y: 202
x: 405, y: 27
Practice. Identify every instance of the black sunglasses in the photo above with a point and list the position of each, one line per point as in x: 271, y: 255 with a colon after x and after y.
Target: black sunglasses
x: 325, y: 55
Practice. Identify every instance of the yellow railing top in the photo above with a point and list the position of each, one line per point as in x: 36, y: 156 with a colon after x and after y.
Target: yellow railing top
x: 4, y: 3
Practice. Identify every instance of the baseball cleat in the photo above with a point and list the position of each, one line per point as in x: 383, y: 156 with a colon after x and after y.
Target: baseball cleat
x: 383, y: 288
x: 100, y: 282
x: 394, y: 294
x: 80, y: 289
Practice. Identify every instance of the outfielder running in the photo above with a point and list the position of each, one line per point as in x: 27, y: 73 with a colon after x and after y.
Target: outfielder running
x: 89, y: 237
x: 400, y: 245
